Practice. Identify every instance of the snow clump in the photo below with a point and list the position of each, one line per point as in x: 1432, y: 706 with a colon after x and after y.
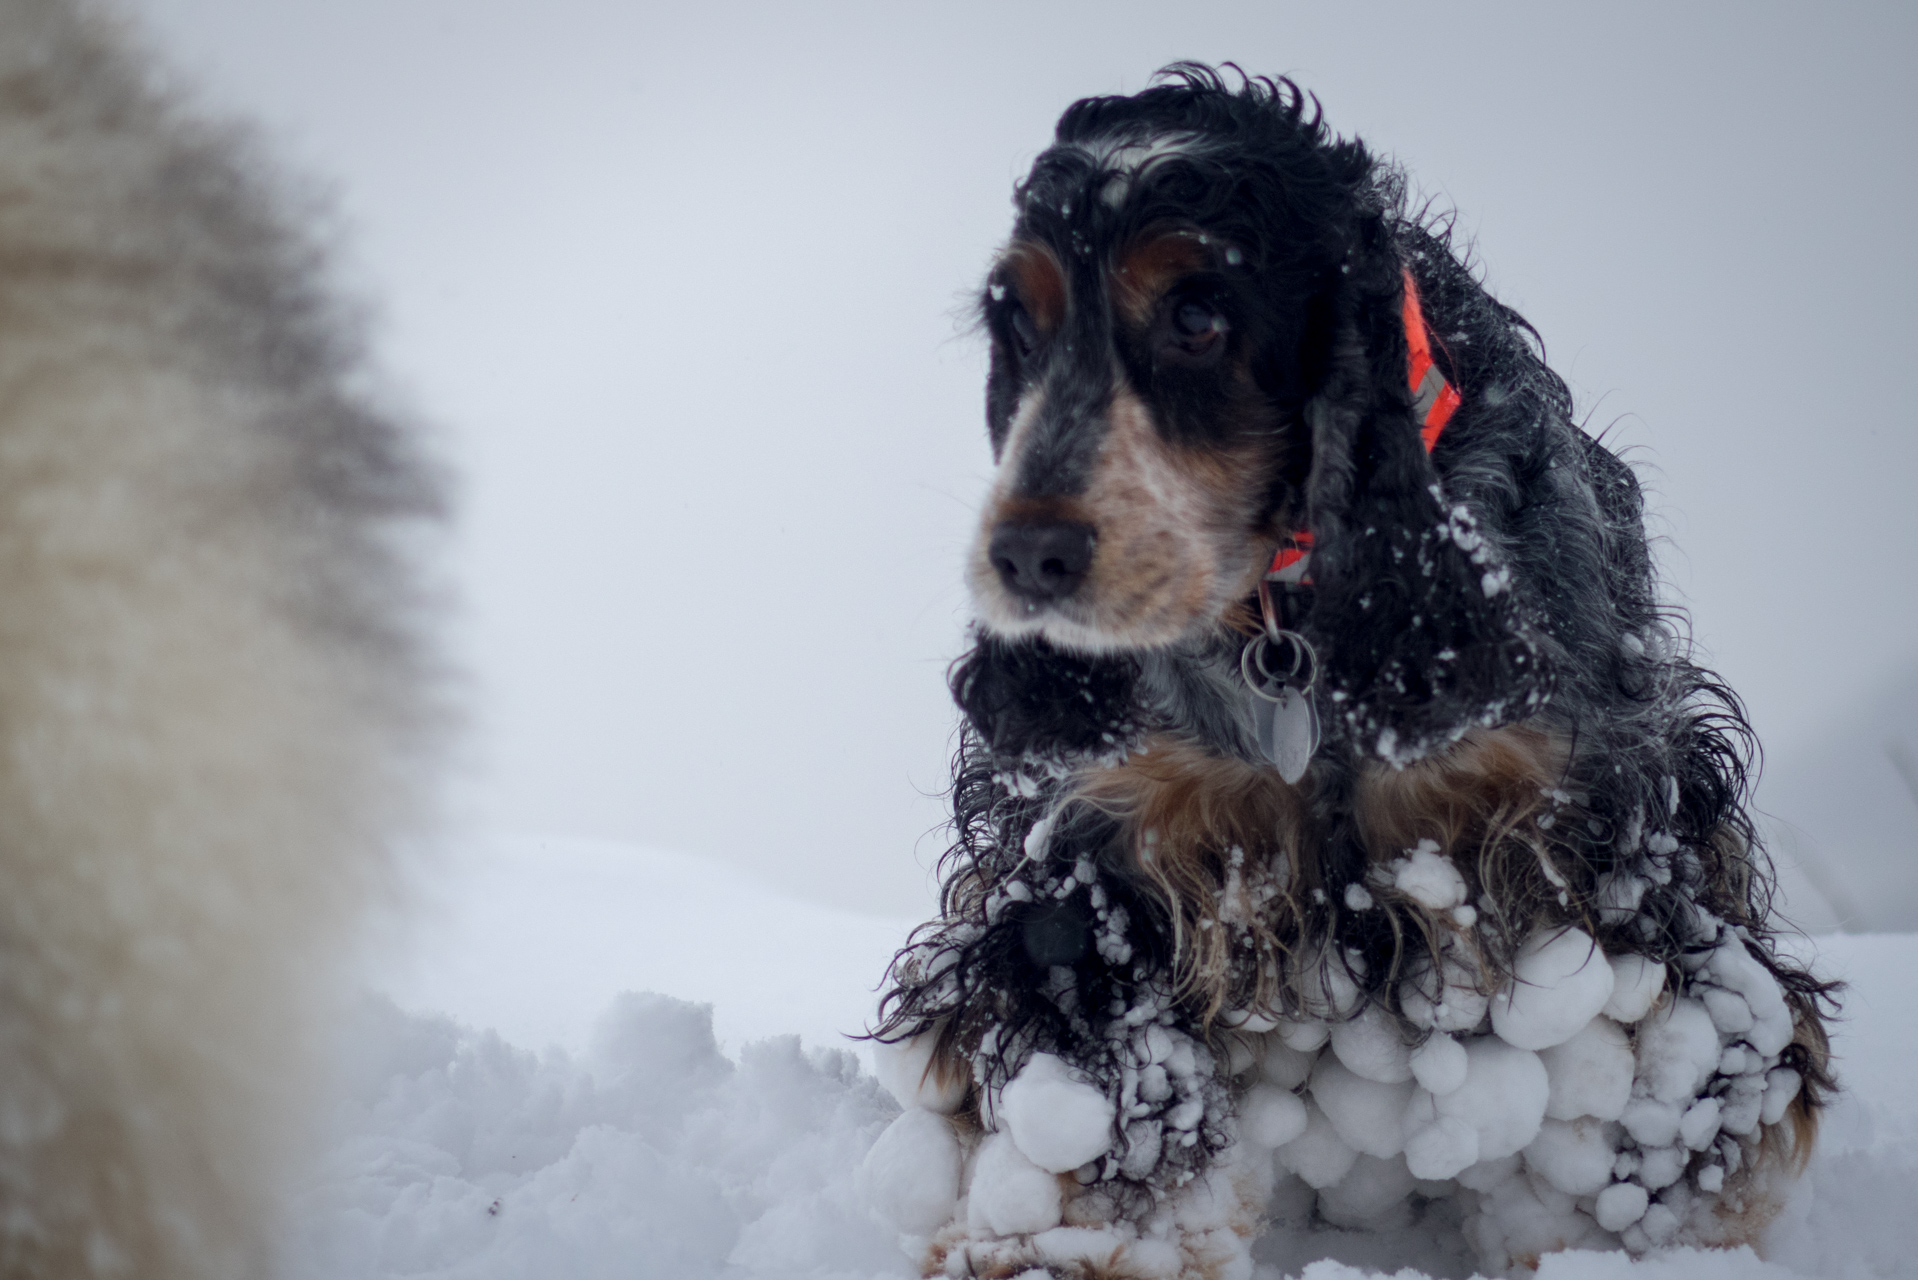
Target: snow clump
x: 1620, y: 1205
x: 1368, y: 1115
x: 1373, y: 1047
x: 1591, y: 1073
x: 1009, y: 1194
x: 1429, y: 878
x: 911, y: 1174
x: 1560, y: 981
x: 1439, y: 1064
x: 1636, y: 985
x: 1444, y: 995
x: 906, y: 1071
x: 1319, y: 1155
x: 1501, y: 1102
x: 1575, y: 1156
x: 1057, y: 1119
x: 1270, y: 1117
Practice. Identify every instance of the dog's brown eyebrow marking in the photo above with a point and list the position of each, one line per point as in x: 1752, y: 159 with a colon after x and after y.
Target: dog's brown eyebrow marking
x: 1036, y: 276
x: 1150, y: 264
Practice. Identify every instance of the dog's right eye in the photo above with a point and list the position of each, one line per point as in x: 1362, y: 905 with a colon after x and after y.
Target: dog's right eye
x: 1195, y: 322
x: 1198, y: 325
x: 1191, y: 331
x: 1025, y: 334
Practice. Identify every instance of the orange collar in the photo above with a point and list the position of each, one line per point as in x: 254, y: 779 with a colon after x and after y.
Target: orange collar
x: 1434, y: 400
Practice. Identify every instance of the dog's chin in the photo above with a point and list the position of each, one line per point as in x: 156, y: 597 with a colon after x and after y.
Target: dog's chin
x: 1077, y: 626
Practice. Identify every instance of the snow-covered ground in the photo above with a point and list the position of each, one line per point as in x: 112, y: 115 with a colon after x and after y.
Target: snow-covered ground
x: 595, y: 1085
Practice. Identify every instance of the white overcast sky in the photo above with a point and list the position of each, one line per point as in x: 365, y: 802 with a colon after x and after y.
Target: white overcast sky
x: 679, y: 286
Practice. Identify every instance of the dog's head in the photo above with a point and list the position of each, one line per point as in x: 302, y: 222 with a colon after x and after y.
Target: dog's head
x: 1158, y: 321
x: 1199, y: 348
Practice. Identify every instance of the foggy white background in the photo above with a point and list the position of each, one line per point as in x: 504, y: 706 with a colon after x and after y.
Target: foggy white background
x: 682, y: 288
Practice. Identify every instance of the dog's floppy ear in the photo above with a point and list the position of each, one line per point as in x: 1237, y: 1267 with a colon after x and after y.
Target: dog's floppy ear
x: 1420, y: 627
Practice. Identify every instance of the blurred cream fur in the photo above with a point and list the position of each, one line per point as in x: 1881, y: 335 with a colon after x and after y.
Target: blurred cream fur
x: 211, y: 718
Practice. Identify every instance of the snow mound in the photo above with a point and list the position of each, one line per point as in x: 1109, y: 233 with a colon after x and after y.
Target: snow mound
x: 653, y: 1154
x: 650, y: 1152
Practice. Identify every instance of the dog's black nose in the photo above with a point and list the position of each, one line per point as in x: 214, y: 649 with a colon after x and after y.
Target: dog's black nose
x: 1042, y: 561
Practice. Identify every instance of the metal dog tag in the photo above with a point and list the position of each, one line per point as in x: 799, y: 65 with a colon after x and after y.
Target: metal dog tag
x: 1280, y: 668
x: 1288, y: 731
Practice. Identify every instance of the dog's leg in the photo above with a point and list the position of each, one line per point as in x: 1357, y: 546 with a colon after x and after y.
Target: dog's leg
x: 1100, y: 1133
